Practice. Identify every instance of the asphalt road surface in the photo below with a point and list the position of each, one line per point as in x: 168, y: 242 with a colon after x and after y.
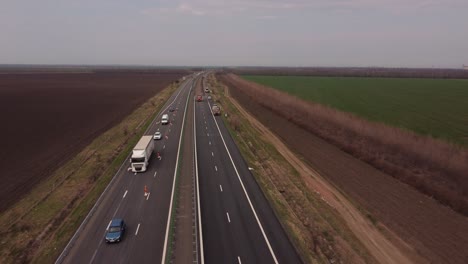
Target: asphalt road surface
x: 238, y: 224
x: 146, y: 216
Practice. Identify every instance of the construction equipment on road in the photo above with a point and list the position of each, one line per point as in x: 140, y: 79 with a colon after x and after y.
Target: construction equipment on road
x: 216, y: 110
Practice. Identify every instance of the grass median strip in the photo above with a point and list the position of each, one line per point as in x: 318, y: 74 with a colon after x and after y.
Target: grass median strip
x: 172, y: 225
x: 38, y: 227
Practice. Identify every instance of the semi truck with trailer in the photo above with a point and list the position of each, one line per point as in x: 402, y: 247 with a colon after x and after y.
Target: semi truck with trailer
x: 141, y: 154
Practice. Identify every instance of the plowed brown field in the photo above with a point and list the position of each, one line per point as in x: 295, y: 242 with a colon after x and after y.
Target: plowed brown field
x: 47, y: 118
x: 435, y: 232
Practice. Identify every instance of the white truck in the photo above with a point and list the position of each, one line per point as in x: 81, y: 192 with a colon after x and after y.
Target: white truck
x: 165, y: 119
x: 142, y: 153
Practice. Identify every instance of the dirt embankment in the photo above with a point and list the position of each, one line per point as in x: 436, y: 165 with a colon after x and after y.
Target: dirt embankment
x: 48, y: 118
x: 381, y: 248
x: 434, y: 231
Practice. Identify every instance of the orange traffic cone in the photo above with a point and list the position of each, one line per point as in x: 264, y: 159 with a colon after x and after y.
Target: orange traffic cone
x: 146, y: 190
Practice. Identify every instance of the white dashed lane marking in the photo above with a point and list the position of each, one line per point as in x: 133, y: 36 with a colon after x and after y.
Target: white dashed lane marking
x: 138, y: 228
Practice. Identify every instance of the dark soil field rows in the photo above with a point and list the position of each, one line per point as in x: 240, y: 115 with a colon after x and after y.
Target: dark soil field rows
x: 436, y: 233
x: 47, y: 118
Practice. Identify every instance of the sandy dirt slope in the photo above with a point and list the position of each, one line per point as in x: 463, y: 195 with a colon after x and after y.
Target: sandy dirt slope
x: 47, y: 118
x: 377, y: 244
x: 435, y: 232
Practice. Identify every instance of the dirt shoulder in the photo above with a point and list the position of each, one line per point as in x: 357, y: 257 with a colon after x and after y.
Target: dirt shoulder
x: 399, y: 224
x: 378, y: 245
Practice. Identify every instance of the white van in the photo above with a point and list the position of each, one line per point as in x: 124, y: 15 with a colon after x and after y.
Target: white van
x: 165, y: 119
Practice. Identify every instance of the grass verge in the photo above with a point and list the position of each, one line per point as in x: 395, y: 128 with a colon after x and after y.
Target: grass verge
x: 37, y: 228
x: 316, y: 230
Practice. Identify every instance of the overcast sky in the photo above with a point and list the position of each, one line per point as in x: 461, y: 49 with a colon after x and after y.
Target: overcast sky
x: 389, y: 33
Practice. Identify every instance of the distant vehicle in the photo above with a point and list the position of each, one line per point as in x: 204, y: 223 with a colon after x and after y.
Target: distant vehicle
x: 116, y: 231
x: 209, y: 97
x: 165, y: 119
x: 216, y: 110
x: 172, y: 109
x: 141, y: 154
x: 199, y: 98
x: 157, y: 135
x: 207, y: 90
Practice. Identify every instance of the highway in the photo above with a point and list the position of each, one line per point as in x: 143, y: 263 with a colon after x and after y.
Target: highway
x: 238, y: 224
x: 146, y: 217
x: 235, y: 223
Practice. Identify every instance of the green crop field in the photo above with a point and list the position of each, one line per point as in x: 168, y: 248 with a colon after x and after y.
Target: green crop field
x: 433, y: 107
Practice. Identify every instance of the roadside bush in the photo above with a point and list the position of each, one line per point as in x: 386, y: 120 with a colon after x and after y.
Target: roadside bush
x: 435, y: 168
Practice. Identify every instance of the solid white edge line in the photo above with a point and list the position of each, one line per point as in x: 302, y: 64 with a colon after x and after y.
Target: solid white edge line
x: 168, y: 225
x: 243, y: 187
x: 125, y: 194
x: 202, y: 257
x: 229, y: 219
x: 157, y: 116
x: 138, y: 228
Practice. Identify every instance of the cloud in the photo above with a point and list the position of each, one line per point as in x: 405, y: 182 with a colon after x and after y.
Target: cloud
x: 185, y: 8
x: 218, y: 8
x: 182, y: 8
x: 267, y: 17
x: 258, y: 8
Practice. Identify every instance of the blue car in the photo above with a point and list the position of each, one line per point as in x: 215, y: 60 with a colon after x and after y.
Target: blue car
x: 115, y: 231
